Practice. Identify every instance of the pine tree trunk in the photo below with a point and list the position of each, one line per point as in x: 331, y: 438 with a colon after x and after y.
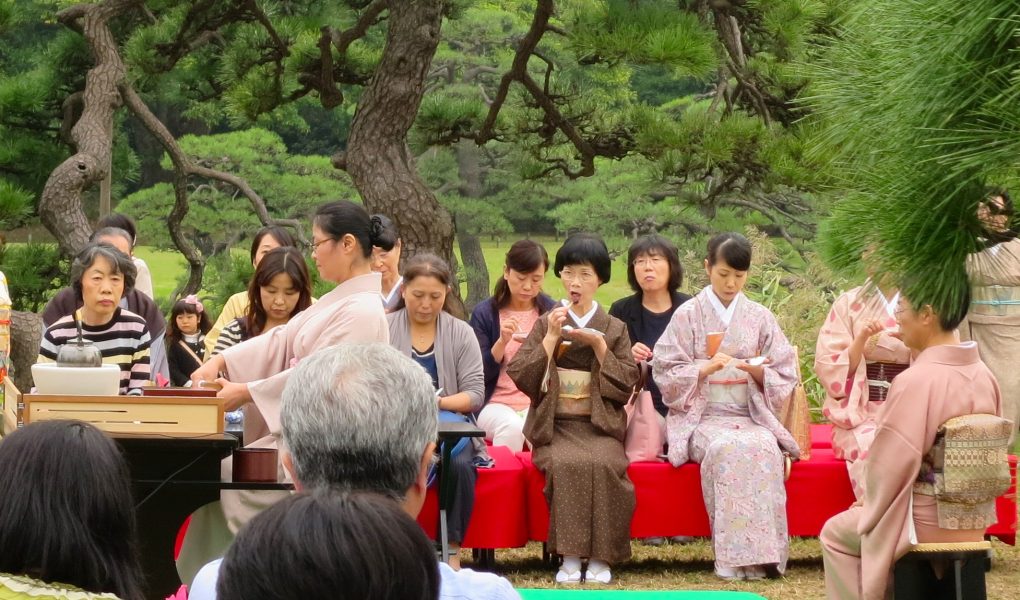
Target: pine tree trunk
x: 471, y: 186
x: 26, y: 335
x: 377, y: 156
x: 60, y: 206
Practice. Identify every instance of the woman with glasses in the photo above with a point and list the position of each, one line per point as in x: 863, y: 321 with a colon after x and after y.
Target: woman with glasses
x: 725, y: 369
x: 994, y: 317
x: 577, y: 368
x: 255, y: 371
x: 655, y: 275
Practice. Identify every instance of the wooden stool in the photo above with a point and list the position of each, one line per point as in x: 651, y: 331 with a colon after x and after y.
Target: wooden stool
x: 914, y: 577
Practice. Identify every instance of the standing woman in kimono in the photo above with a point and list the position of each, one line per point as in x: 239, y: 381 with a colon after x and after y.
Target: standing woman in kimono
x: 576, y: 367
x: 856, y: 358
x: 255, y: 371
x: 722, y: 411
x: 994, y: 317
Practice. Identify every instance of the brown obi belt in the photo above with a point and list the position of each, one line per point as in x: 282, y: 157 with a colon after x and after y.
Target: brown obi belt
x: 574, y: 399
x: 880, y: 376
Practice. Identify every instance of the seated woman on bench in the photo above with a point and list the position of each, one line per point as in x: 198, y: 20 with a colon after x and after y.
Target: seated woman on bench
x: 946, y: 380
x: 722, y: 404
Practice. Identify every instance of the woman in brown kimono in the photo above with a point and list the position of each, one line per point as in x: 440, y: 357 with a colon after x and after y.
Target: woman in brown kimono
x: 576, y: 367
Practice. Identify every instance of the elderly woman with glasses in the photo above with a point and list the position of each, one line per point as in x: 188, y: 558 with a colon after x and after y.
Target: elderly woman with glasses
x: 577, y: 368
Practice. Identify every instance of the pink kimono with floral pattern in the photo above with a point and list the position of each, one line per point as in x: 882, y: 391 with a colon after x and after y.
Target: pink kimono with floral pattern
x: 847, y: 403
x: 739, y: 446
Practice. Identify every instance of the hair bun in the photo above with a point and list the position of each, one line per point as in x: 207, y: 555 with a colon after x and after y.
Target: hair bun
x: 376, y: 231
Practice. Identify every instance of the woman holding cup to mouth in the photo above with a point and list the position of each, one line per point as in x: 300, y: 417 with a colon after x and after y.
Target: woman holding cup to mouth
x: 722, y: 411
x: 577, y: 368
x: 856, y: 357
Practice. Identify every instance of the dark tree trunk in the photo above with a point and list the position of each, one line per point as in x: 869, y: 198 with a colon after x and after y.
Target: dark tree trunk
x: 60, y: 206
x: 471, y: 186
x: 26, y: 335
x: 377, y: 157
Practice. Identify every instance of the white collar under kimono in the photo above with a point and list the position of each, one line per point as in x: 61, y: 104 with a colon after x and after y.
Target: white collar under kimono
x: 888, y: 303
x: 725, y: 313
x: 582, y: 321
x: 388, y: 299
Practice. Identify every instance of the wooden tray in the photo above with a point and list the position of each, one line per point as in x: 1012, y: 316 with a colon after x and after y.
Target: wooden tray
x: 116, y: 414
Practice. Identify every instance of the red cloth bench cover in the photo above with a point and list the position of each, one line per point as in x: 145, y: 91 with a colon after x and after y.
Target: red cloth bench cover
x: 669, y: 501
x: 498, y: 518
x: 821, y: 435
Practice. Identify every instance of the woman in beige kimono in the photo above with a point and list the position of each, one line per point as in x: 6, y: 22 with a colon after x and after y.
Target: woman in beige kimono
x: 576, y: 367
x: 255, y: 371
x: 947, y: 379
x: 725, y: 368
x: 856, y: 358
x: 994, y: 318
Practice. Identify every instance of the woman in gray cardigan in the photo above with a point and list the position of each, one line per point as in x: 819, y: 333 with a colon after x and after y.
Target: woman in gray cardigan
x: 446, y: 347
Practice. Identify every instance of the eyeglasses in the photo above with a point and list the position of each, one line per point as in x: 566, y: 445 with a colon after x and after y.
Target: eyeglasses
x: 654, y: 260
x: 315, y: 245
x: 582, y: 276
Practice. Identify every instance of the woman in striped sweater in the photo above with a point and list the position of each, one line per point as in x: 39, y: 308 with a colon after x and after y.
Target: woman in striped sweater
x: 100, y: 275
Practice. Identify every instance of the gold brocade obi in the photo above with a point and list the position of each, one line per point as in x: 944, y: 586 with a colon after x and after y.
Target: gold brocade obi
x: 575, y: 393
x: 995, y: 300
x: 966, y: 470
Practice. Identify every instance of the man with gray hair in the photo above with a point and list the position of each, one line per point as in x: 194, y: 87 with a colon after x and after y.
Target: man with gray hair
x: 363, y: 417
x: 67, y: 300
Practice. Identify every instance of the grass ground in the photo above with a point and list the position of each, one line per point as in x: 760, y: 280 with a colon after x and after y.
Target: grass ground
x: 689, y: 567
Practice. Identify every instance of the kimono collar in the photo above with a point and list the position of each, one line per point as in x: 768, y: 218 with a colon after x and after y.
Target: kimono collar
x: 582, y: 321
x: 889, y: 304
x: 949, y: 354
x: 725, y: 313
x: 369, y: 282
x: 388, y: 299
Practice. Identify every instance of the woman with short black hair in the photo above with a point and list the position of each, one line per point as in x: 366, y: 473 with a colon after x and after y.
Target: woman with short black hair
x: 331, y: 545
x: 67, y: 522
x: 655, y: 275
x: 577, y: 368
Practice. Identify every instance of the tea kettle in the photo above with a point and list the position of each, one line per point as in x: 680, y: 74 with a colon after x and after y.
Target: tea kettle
x: 79, y: 353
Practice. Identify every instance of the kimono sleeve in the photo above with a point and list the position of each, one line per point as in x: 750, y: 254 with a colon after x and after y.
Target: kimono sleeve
x: 618, y: 372
x: 673, y: 365
x: 527, y: 369
x: 470, y: 375
x: 781, y: 371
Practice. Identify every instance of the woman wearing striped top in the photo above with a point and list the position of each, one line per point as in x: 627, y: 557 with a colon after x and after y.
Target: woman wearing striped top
x: 100, y: 275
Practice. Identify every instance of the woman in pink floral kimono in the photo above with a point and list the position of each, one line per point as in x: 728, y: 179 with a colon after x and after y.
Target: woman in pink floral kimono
x: 722, y: 411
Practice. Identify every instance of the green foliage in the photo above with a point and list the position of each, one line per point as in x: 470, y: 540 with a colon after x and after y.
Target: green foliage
x: 34, y: 273
x: 291, y: 186
x: 917, y: 111
x: 15, y: 205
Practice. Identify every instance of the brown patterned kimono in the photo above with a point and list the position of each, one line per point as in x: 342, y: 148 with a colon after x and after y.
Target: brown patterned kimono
x: 591, y: 500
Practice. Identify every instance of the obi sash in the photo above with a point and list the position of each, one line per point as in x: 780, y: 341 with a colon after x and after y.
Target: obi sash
x: 880, y: 376
x: 966, y: 470
x: 728, y: 386
x: 995, y: 300
x: 574, y: 399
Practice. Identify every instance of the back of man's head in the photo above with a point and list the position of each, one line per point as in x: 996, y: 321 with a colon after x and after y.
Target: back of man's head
x: 358, y: 417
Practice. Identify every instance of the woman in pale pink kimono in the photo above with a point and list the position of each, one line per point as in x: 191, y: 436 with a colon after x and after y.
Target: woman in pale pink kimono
x: 994, y: 318
x: 722, y: 411
x: 947, y: 379
x: 856, y: 358
x: 256, y: 371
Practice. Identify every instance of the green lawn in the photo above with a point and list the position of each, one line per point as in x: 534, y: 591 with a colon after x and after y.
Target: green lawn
x: 166, y: 267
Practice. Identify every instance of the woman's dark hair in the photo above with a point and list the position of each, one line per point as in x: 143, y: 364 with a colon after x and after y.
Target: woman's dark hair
x: 388, y: 234
x: 327, y: 544
x: 281, y: 235
x: 343, y: 217
x: 120, y: 222
x: 585, y: 249
x: 655, y: 245
x: 278, y: 260
x: 954, y: 302
x: 66, y: 511
x: 120, y: 262
x: 1007, y: 202
x: 731, y: 248
x: 182, y: 307
x: 429, y: 265
x: 524, y: 256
